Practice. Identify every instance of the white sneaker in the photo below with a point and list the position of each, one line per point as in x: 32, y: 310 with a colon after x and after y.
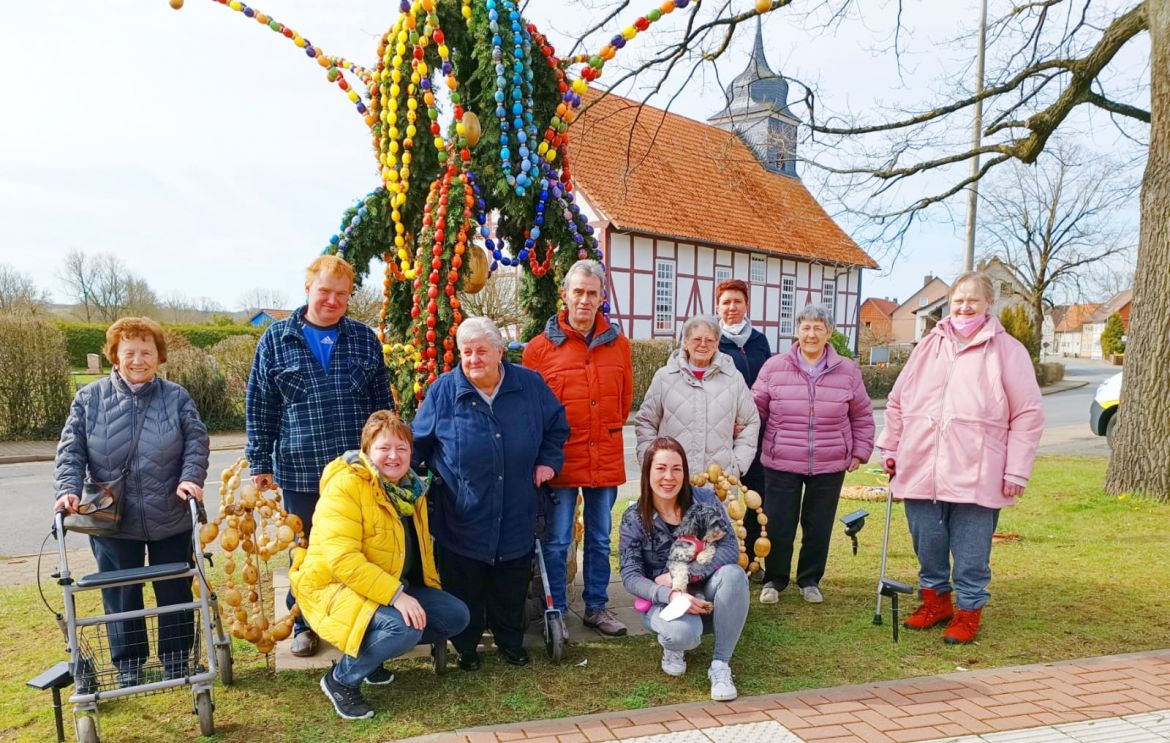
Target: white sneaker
x: 674, y: 663
x: 722, y: 688
x: 769, y: 594
x: 812, y: 594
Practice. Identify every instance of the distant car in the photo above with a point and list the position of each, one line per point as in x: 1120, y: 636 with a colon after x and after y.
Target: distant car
x: 1104, y: 409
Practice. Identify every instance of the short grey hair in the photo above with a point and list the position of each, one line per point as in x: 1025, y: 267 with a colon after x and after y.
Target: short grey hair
x: 478, y: 327
x: 588, y: 267
x: 700, y: 321
x: 816, y: 313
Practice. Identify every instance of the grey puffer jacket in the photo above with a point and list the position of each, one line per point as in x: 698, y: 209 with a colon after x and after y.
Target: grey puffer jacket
x: 701, y: 414
x: 172, y: 448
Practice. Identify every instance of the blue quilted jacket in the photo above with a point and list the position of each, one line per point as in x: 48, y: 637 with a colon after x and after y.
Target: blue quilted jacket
x: 172, y: 447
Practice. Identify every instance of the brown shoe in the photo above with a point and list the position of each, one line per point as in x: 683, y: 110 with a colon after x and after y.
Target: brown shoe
x: 936, y: 608
x: 305, y: 644
x: 963, y: 627
x: 605, y: 622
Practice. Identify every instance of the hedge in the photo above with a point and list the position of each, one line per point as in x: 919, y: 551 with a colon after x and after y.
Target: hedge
x: 84, y: 338
x: 879, y: 380
x: 648, y: 357
x: 35, y: 385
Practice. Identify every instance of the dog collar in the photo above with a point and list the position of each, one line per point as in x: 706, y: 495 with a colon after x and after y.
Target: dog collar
x: 693, y: 541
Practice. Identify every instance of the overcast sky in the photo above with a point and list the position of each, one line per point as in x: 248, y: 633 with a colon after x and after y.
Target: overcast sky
x: 213, y: 157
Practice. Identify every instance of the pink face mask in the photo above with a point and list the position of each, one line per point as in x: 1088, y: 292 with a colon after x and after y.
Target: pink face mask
x: 965, y: 325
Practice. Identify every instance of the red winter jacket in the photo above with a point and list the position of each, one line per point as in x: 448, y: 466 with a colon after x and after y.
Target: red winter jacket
x: 811, y: 428
x: 595, y: 383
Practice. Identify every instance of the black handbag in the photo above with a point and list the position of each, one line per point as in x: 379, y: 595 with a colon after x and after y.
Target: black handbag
x: 100, y: 512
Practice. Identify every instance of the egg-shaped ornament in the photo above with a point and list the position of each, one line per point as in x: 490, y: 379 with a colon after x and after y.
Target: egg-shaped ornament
x: 476, y: 275
x: 177, y: 4
x: 471, y: 125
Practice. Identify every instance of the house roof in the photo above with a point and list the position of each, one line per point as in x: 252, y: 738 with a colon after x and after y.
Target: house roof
x: 274, y: 314
x: 648, y: 170
x: 884, y: 306
x: 1114, y: 304
x: 1076, y: 316
x: 1057, y: 314
x: 926, y: 286
x: 932, y: 306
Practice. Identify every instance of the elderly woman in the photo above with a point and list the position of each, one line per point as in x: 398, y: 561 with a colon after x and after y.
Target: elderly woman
x: 368, y: 582
x: 700, y: 399
x: 749, y: 349
x: 818, y: 423
x: 145, y: 433
x: 492, y: 433
x: 961, y: 429
x: 718, y: 594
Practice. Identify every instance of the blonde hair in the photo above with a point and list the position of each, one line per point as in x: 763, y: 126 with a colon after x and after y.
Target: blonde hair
x: 980, y: 279
x: 330, y: 265
x: 385, y: 421
x: 130, y: 328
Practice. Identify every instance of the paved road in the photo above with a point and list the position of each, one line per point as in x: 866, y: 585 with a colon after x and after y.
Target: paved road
x: 24, y: 488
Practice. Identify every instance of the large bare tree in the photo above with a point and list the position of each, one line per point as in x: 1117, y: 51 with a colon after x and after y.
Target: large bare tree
x: 19, y: 293
x: 1054, y: 222
x: 104, y: 287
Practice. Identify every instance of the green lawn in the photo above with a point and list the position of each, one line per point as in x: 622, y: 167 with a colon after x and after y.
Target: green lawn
x: 1084, y: 578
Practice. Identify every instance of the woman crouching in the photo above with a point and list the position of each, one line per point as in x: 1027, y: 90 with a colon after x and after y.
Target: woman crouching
x: 368, y: 584
x: 718, y: 593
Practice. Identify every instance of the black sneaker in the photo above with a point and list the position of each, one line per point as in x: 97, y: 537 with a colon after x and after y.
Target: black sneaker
x: 346, y: 700
x: 379, y: 677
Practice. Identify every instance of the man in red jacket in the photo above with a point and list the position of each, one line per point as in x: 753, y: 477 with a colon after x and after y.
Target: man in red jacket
x: 586, y: 361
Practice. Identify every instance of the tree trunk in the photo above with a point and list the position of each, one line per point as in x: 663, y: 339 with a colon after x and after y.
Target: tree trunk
x: 1036, y: 310
x: 1141, y: 453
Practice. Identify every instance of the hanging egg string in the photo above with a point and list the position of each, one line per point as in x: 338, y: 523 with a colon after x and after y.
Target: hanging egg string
x: 737, y: 499
x: 513, y: 97
x: 252, y: 523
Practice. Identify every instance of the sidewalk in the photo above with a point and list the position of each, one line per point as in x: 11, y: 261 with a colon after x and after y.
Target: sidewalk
x: 1111, y: 699
x: 19, y: 452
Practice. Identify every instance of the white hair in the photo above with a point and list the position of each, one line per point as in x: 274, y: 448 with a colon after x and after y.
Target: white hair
x: 478, y: 327
x: 816, y: 313
x: 704, y: 321
x: 587, y: 267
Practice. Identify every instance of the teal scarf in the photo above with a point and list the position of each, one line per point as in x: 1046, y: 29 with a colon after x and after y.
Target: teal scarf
x: 402, y: 496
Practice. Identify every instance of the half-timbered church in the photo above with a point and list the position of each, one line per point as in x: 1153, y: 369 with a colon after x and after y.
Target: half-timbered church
x: 680, y: 205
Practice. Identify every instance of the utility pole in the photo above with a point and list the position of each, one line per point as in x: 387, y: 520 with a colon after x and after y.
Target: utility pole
x: 976, y: 141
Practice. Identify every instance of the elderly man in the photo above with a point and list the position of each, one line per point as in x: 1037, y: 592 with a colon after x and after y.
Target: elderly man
x: 316, y: 379
x: 586, y: 361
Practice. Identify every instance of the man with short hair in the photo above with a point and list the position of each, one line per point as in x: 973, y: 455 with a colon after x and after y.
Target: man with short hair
x: 586, y: 361
x: 316, y: 378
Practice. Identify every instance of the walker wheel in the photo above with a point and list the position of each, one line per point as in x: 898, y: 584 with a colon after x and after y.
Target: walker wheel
x: 86, y: 728
x: 554, y: 638
x: 223, y: 660
x: 205, y: 708
x: 439, y: 656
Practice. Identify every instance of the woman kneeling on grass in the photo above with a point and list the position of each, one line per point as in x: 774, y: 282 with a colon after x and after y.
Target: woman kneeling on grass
x: 367, y: 583
x: 719, y: 602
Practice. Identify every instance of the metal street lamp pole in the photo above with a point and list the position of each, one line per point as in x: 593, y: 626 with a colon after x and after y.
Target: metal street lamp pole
x: 976, y: 141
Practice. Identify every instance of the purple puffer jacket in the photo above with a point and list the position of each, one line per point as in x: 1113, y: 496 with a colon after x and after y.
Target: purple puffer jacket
x: 813, y: 427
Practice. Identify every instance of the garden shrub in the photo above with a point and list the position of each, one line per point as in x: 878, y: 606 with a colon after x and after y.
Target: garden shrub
x: 1049, y: 373
x: 648, y: 357
x: 841, y: 344
x: 234, y: 357
x: 199, y: 373
x: 879, y: 380
x: 35, y: 384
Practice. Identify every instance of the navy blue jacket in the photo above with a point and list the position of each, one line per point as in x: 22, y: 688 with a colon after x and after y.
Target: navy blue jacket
x: 749, y: 359
x: 485, y: 504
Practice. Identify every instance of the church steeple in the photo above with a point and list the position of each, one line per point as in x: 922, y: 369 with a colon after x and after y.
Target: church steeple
x: 757, y: 110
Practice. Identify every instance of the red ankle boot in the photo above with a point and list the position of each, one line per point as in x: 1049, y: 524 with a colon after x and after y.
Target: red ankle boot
x: 963, y: 627
x: 936, y: 608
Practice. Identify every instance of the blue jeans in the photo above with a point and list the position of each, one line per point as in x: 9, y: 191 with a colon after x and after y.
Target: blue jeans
x: 598, y: 505
x: 387, y: 635
x: 964, y: 530
x: 728, y: 590
x: 303, y: 505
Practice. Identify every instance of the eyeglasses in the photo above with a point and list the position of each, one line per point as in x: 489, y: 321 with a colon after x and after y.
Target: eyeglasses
x: 100, y: 504
x: 703, y: 341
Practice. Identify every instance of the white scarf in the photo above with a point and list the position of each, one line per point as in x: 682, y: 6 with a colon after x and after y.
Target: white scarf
x: 738, y: 333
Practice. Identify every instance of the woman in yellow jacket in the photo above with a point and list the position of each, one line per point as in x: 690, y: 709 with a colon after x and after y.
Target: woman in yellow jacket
x: 367, y: 583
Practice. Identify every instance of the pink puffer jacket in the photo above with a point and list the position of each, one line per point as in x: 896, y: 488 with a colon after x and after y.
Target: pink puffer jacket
x: 813, y: 427
x: 957, y: 422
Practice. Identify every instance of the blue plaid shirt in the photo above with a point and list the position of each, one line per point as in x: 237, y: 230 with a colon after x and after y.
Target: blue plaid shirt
x: 300, y: 417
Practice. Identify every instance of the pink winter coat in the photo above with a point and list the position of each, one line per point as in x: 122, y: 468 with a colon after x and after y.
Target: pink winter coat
x: 813, y: 427
x: 956, y: 423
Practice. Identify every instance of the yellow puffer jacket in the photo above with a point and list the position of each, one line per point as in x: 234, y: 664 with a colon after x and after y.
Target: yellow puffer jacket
x: 356, y: 553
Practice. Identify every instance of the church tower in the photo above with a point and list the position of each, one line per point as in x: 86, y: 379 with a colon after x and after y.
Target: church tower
x: 757, y: 110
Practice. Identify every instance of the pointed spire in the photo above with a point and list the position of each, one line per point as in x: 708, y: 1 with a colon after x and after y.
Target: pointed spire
x: 758, y: 56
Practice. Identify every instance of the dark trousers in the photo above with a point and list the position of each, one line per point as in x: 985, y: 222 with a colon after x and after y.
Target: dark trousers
x: 811, y: 501
x: 494, y: 595
x: 129, y: 645
x: 303, y: 505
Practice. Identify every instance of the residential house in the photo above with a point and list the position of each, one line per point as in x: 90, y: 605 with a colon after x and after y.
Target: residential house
x: 680, y: 205
x: 1095, y: 324
x: 265, y: 317
x: 1068, y: 332
x: 1008, y: 289
x: 908, y: 327
x: 876, y: 316
x: 1052, y: 319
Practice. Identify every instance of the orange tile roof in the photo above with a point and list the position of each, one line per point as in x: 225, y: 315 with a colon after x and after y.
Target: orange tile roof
x: 1076, y: 316
x: 884, y: 306
x: 649, y: 170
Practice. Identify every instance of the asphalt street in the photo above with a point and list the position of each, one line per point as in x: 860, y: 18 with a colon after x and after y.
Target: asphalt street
x: 26, y: 489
